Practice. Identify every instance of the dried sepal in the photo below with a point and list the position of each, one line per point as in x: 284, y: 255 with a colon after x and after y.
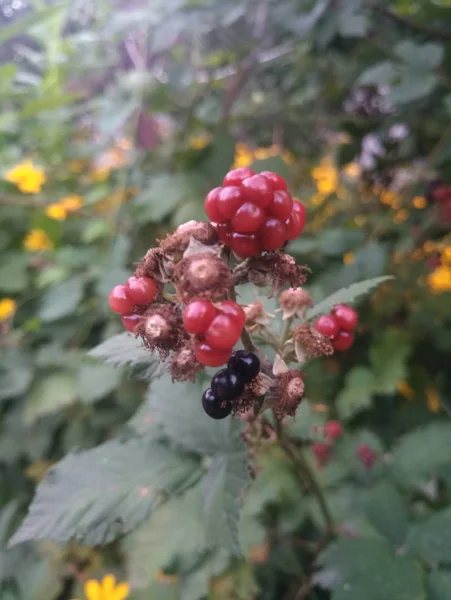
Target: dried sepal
x: 156, y: 265
x: 184, y: 366
x: 175, y: 244
x: 202, y: 276
x: 279, y: 366
x: 294, y: 302
x: 309, y: 343
x: 161, y: 328
x: 288, y: 393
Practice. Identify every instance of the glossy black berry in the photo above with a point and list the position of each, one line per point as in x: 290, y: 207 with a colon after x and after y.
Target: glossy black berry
x: 247, y: 364
x: 215, y: 408
x: 227, y: 385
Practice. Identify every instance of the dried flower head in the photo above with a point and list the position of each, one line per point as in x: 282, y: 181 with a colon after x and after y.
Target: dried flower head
x: 161, y: 328
x: 202, y: 276
x: 184, y: 366
x: 275, y: 270
x: 155, y: 265
x: 289, y: 390
x: 294, y: 302
x: 309, y: 343
x: 175, y: 244
x: 256, y: 314
x: 246, y: 401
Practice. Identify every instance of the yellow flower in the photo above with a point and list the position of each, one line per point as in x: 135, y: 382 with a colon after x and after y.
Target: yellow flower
x: 199, y: 142
x: 352, y: 170
x: 440, y: 279
x: 433, y: 400
x: 56, y: 211
x: 72, y: 203
x: 107, y: 589
x: 349, y: 258
x: 390, y: 198
x: 7, y: 308
x: 28, y: 178
x: 405, y: 390
x: 446, y: 255
x: 401, y: 216
x: 419, y: 202
x: 360, y: 220
x: 36, y: 240
x: 326, y: 177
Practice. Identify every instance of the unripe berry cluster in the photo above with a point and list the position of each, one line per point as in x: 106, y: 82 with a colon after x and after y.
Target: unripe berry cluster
x: 216, y: 329
x: 229, y: 384
x: 321, y: 450
x: 339, y: 326
x: 254, y: 212
x: 129, y: 299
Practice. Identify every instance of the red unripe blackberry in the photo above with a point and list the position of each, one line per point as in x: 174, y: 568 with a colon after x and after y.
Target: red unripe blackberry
x: 258, y: 190
x: 223, y: 332
x: 333, y: 429
x: 272, y: 235
x: 229, y: 200
x: 343, y: 341
x: 224, y: 232
x: 119, y: 301
x: 327, y: 325
x: 248, y: 218
x: 277, y: 181
x: 130, y: 322
x: 211, y: 357
x: 245, y: 244
x: 142, y: 290
x: 211, y: 206
x: 197, y: 316
x: 281, y: 205
x: 233, y: 310
x: 236, y: 176
x: 345, y: 316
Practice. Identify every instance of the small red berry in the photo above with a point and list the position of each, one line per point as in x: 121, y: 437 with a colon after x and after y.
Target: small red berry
x: 248, y: 218
x: 442, y: 193
x: 333, y: 429
x: 343, y: 341
x: 281, y: 205
x: 119, y: 301
x: 198, y: 315
x: 245, y: 244
x: 321, y: 454
x: 327, y: 325
x: 224, y: 232
x: 277, y: 181
x: 346, y: 317
x: 366, y: 454
x: 258, y: 190
x: 142, y: 290
x: 273, y: 234
x: 223, y: 332
x: 211, y: 206
x: 236, y: 176
x: 211, y: 357
x: 296, y: 221
x: 299, y: 210
x: 130, y: 322
x: 229, y: 200
x: 233, y: 310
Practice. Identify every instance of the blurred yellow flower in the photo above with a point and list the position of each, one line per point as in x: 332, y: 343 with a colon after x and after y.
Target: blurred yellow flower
x: 352, y: 170
x: 199, y: 142
x: 76, y: 166
x: 433, y: 400
x: 440, y: 279
x: 360, y: 220
x: 405, y: 390
x: 7, y: 308
x: 28, y: 178
x: 446, y: 255
x: 245, y: 156
x: 326, y: 177
x: 390, y: 199
x: 107, y: 589
x: 72, y: 202
x: 36, y: 240
x: 419, y: 202
x: 56, y: 211
x: 349, y: 258
x: 401, y: 216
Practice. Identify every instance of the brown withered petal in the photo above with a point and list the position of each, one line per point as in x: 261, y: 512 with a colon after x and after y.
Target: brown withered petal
x: 289, y: 389
x: 202, y: 276
x: 294, y: 302
x: 161, y: 328
x: 311, y: 343
x: 155, y: 265
x: 184, y: 366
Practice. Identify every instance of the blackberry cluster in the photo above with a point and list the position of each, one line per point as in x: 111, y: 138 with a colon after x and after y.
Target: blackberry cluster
x: 228, y: 384
x: 339, y: 326
x: 129, y: 300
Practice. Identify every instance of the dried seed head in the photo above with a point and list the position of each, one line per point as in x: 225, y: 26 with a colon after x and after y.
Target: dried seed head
x: 275, y: 270
x: 184, y: 366
x: 289, y: 390
x: 256, y: 314
x: 245, y: 402
x: 294, y: 302
x: 309, y: 343
x: 155, y: 265
x: 175, y: 244
x: 202, y: 276
x: 161, y: 328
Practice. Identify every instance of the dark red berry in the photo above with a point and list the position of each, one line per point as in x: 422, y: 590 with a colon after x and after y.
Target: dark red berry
x: 333, y: 429
x: 321, y: 454
x: 233, y: 310
x: 245, y: 244
x: 343, y: 341
x: 281, y: 205
x: 211, y: 206
x: 142, y: 290
x: 442, y: 193
x: 300, y: 215
x: 366, y: 454
x: 327, y: 325
x: 198, y: 315
x: 211, y: 357
x: 224, y: 232
x: 223, y: 332
x: 247, y: 364
x: 248, y: 218
x: 130, y: 322
x: 236, y: 176
x: 258, y: 190
x: 229, y: 201
x: 346, y: 316
x: 119, y: 301
x: 215, y: 408
x: 277, y: 181
x: 227, y: 385
x: 272, y: 235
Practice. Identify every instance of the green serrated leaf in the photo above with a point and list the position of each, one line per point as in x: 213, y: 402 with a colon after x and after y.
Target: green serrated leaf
x: 430, y: 540
x: 387, y: 511
x: 61, y: 300
x: 50, y: 394
x: 125, y: 349
x: 357, y: 392
x: 388, y: 358
x: 346, y: 295
x: 95, y: 381
x: 96, y: 496
x: 439, y: 585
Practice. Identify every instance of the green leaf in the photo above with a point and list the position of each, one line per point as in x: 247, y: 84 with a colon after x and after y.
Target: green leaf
x: 357, y: 392
x: 95, y: 381
x: 413, y: 86
x: 419, y: 454
x: 51, y: 102
x: 165, y: 192
x: 387, y: 511
x: 123, y: 349
x: 382, y: 73
x: 439, y: 585
x: 308, y: 423
x: 388, y: 356
x: 430, y: 540
x: 346, y: 295
x: 368, y: 568
x: 15, y: 374
x: 49, y: 394
x: 13, y: 272
x: 94, y: 497
x: 22, y: 25
x: 62, y: 300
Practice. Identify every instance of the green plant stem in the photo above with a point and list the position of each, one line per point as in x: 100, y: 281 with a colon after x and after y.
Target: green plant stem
x: 416, y: 27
